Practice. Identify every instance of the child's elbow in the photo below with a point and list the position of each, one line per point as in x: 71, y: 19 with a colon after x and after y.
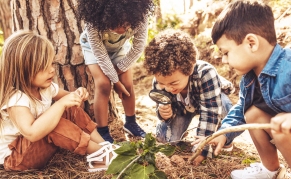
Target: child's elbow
x: 32, y: 137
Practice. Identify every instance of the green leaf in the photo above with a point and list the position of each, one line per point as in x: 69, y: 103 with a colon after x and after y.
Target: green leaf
x: 154, y: 149
x: 158, y: 175
x: 126, y: 149
x: 167, y: 149
x: 150, y: 141
x: 119, y: 163
x: 141, y: 171
x: 150, y: 158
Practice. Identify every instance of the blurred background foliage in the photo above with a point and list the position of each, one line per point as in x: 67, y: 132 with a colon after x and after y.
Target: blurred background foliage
x: 1, y: 40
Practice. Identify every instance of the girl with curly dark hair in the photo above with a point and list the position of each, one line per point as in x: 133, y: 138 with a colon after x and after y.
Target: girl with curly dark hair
x: 105, y: 42
x: 193, y: 85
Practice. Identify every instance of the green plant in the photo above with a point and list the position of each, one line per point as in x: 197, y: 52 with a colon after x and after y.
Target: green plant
x: 169, y: 21
x: 137, y: 159
x: 249, y: 160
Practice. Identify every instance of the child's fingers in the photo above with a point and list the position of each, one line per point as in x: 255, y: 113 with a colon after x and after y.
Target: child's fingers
x: 165, y: 111
x: 286, y: 127
x: 276, y: 123
x: 124, y: 91
x: 198, y: 139
x: 280, y: 123
x: 218, y: 148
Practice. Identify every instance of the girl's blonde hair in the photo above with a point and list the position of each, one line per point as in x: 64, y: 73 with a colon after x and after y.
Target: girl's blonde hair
x: 24, y: 54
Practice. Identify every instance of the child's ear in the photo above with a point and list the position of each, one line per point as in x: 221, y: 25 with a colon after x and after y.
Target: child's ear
x: 252, y: 41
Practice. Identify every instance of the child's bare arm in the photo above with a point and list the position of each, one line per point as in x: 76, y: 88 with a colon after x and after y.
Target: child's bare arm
x: 35, y: 129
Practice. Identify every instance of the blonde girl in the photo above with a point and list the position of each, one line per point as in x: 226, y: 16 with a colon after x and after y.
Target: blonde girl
x: 32, y: 128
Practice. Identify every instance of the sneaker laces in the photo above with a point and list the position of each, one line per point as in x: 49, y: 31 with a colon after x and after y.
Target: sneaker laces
x: 254, y: 168
x: 134, y: 129
x: 136, y: 126
x: 257, y: 168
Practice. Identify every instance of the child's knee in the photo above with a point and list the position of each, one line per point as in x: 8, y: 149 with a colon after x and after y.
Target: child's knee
x: 256, y: 115
x: 103, y: 87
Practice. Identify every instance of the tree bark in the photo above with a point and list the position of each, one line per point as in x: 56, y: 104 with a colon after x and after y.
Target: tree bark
x: 5, y: 20
x: 57, y: 20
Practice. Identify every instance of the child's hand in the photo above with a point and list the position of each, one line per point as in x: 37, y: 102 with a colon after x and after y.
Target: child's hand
x: 219, y: 142
x: 198, y: 139
x: 281, y: 123
x: 83, y: 93
x: 71, y: 99
x: 120, y: 89
x: 165, y: 111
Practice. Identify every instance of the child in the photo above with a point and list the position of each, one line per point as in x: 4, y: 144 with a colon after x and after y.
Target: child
x: 245, y: 34
x: 172, y: 58
x: 110, y: 24
x: 32, y: 129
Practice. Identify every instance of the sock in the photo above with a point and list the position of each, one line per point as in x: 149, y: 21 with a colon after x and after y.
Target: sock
x: 271, y: 173
x: 129, y: 119
x: 103, y: 130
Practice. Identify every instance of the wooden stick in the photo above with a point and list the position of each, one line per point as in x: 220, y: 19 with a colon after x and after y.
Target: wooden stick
x: 227, y: 130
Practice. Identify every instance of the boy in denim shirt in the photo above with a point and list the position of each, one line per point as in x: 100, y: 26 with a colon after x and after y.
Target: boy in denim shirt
x: 194, y: 86
x: 245, y: 34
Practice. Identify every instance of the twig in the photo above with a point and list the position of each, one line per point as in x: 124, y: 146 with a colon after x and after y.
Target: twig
x: 128, y: 166
x: 283, y: 14
x: 227, y: 130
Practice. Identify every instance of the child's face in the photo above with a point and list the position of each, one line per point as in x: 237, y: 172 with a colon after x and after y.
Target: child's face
x: 174, y: 83
x: 43, y: 79
x: 121, y: 30
x: 238, y: 57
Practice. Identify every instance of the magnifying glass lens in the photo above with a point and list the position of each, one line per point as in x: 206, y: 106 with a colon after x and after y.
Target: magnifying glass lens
x: 160, y: 97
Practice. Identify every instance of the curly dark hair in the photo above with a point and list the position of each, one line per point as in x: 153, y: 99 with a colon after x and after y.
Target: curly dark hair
x: 169, y: 51
x: 110, y: 14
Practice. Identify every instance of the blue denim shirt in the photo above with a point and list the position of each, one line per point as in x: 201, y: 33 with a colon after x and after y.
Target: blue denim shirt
x: 275, y: 80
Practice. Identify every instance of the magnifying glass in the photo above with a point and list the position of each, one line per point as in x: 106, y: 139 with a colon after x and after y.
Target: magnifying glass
x: 164, y: 97
x: 161, y: 96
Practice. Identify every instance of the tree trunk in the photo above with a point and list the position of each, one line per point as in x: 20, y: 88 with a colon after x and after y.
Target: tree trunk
x: 56, y: 19
x: 5, y: 20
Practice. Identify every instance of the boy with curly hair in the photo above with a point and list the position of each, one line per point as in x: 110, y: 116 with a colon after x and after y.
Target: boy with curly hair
x: 196, y: 86
x: 109, y: 26
x: 245, y: 34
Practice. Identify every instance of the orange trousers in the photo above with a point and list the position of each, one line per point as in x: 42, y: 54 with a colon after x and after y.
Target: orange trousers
x: 72, y: 133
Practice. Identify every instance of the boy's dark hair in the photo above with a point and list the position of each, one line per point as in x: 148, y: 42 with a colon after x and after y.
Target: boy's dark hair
x: 243, y: 17
x: 169, y: 51
x: 110, y: 14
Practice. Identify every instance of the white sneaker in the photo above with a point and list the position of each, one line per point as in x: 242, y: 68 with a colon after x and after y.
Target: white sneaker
x: 258, y: 171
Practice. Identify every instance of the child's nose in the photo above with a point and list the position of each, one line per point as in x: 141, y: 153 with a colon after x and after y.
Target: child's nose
x: 224, y: 60
x: 168, y: 88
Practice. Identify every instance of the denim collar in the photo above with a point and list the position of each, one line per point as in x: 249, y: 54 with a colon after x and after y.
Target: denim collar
x: 272, y: 66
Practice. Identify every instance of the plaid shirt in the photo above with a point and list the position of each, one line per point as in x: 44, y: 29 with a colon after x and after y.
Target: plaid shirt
x: 205, y: 90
